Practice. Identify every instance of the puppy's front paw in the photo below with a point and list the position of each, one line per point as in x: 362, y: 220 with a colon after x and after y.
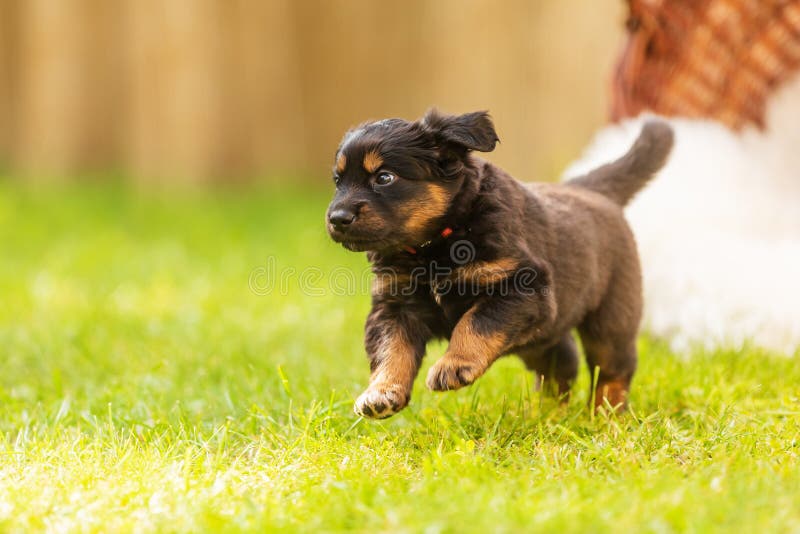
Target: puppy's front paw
x: 452, y: 373
x: 380, y: 401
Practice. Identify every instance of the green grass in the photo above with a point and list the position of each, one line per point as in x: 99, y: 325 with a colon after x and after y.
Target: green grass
x: 145, y: 386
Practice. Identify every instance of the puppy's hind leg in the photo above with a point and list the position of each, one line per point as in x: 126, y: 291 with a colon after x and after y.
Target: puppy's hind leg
x: 608, y: 333
x: 609, y: 340
x: 614, y: 365
x: 555, y: 367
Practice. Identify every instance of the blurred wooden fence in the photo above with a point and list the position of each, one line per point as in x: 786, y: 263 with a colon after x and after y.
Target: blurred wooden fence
x: 196, y: 90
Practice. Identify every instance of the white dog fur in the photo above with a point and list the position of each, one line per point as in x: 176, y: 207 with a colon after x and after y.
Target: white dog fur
x: 719, y: 230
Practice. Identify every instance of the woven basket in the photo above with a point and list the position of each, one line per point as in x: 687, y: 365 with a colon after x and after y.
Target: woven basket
x: 718, y: 59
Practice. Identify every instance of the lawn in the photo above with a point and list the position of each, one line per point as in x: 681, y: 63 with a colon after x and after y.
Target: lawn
x: 157, y: 377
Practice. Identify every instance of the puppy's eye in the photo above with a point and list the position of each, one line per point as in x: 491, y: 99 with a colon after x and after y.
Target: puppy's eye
x: 336, y: 179
x: 385, y: 178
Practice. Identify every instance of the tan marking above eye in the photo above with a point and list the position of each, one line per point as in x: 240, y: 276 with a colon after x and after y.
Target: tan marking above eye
x: 341, y: 162
x: 372, y: 161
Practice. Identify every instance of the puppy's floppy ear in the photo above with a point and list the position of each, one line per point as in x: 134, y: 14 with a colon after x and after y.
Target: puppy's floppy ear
x: 472, y: 131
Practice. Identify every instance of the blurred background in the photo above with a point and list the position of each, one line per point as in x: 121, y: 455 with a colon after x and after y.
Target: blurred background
x: 204, y: 91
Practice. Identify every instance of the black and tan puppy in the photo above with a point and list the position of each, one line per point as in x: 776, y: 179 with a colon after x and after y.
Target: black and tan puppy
x: 461, y: 250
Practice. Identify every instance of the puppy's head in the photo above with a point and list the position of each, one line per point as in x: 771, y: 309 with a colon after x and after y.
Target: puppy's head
x: 395, y: 179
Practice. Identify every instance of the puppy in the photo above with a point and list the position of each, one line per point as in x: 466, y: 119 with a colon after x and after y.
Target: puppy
x: 461, y: 250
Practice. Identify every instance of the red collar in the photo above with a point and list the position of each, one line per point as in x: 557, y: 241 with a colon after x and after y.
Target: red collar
x: 447, y: 232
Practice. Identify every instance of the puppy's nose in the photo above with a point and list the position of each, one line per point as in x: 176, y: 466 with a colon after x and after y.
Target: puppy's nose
x: 341, y: 217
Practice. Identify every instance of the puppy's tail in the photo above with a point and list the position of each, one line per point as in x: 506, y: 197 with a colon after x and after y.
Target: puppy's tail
x: 620, y: 180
